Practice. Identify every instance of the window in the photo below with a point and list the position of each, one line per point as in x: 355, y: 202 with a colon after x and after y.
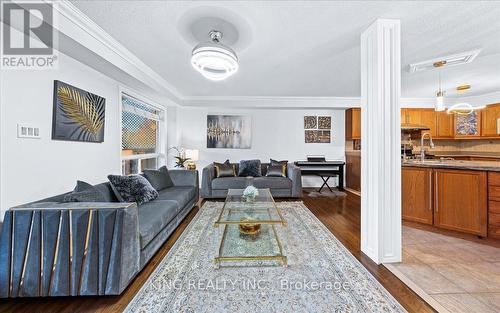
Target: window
x: 142, y: 126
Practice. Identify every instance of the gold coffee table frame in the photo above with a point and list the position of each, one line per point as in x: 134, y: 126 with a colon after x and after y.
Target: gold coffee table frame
x: 261, y: 211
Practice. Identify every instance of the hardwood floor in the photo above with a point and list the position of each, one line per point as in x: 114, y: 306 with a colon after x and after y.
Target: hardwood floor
x: 341, y: 215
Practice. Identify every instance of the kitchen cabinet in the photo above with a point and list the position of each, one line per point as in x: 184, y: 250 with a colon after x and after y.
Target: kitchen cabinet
x: 425, y: 117
x: 353, y: 123
x: 416, y: 194
x: 460, y: 200
x: 444, y: 125
x: 489, y: 120
x: 353, y: 170
x: 494, y: 205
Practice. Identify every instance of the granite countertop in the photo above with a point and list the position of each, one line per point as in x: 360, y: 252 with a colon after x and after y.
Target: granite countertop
x: 463, y: 153
x: 455, y: 164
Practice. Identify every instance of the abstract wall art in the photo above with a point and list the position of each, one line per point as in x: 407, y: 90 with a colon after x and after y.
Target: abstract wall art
x: 229, y: 131
x: 78, y: 115
x: 317, y: 129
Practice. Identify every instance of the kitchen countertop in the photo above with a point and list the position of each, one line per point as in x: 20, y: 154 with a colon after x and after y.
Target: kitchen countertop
x: 455, y: 164
x: 463, y: 154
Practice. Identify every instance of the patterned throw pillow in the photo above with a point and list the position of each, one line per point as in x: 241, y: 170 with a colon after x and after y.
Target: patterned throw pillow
x: 159, y: 179
x: 133, y: 188
x: 84, y: 192
x: 225, y: 169
x: 250, y: 168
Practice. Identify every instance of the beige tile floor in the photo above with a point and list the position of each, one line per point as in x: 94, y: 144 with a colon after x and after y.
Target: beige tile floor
x: 452, y: 274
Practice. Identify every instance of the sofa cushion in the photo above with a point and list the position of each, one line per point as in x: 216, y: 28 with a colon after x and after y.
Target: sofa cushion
x: 133, y: 188
x: 278, y: 170
x: 249, y: 168
x: 84, y: 192
x: 180, y: 194
x: 159, y: 179
x: 275, y: 162
x: 153, y: 217
x: 272, y: 182
x: 231, y: 182
x: 107, y: 191
x: 225, y: 169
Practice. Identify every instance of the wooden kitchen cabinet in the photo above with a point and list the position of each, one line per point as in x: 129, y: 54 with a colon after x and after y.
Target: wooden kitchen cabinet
x: 489, y: 120
x: 353, y: 123
x: 416, y: 194
x: 353, y: 170
x: 425, y: 117
x: 494, y: 205
x: 460, y: 200
x: 444, y: 123
x: 428, y: 118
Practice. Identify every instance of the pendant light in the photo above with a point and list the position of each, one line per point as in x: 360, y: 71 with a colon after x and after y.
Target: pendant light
x: 439, y: 106
x: 214, y: 60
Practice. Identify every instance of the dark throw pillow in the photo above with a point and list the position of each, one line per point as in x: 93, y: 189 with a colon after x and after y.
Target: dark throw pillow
x: 250, y: 168
x: 159, y: 179
x: 276, y: 171
x: 84, y: 192
x: 133, y: 188
x: 225, y: 169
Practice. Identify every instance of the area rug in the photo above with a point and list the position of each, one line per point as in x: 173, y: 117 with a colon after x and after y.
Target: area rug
x: 321, y: 276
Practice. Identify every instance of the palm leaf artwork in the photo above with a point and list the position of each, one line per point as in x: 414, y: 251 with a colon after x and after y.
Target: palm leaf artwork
x: 84, y: 111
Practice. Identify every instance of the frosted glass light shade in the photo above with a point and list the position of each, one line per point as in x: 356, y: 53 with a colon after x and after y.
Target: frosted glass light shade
x: 192, y: 154
x: 214, y: 61
x: 440, y: 103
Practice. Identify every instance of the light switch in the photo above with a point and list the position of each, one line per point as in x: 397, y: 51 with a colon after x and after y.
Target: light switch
x: 26, y: 131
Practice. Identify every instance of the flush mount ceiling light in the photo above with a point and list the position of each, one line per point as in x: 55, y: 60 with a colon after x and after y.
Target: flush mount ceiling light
x: 440, y: 93
x: 214, y: 60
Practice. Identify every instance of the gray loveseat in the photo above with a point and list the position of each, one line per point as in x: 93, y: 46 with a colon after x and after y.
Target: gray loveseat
x: 51, y: 248
x: 281, y: 187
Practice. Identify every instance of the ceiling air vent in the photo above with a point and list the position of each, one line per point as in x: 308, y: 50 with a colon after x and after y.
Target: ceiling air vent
x: 450, y: 60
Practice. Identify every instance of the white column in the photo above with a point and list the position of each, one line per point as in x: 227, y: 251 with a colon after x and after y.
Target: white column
x: 380, y: 140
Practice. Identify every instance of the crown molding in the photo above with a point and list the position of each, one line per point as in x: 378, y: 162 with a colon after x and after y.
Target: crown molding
x: 76, y: 25
x: 271, y: 102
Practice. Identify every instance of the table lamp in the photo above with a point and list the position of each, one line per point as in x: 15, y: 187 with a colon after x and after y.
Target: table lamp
x: 192, y: 155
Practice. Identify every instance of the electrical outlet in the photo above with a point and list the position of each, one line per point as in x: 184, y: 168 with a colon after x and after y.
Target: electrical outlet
x: 25, y: 131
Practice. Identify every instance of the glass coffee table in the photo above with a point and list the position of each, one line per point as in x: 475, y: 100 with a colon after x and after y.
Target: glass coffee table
x: 249, y: 230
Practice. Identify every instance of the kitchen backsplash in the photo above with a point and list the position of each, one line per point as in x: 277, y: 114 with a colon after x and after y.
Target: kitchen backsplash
x: 482, y: 145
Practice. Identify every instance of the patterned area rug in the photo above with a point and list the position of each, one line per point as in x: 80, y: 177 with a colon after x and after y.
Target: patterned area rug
x: 322, y: 275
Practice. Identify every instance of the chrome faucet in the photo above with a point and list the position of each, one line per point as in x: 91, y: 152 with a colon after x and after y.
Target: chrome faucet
x: 422, y: 150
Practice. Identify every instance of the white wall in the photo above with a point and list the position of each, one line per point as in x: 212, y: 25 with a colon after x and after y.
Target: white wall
x: 32, y: 169
x: 37, y: 168
x: 277, y: 134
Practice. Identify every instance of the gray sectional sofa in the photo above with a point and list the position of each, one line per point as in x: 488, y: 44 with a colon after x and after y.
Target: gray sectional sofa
x: 51, y: 248
x: 281, y: 187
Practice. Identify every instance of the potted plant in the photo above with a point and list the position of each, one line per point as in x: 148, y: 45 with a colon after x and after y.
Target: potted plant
x: 179, y: 156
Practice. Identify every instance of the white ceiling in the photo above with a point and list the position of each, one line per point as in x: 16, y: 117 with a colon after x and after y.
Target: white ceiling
x: 304, y: 48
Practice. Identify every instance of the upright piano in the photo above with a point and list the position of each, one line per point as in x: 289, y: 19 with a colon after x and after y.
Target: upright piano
x: 319, y: 166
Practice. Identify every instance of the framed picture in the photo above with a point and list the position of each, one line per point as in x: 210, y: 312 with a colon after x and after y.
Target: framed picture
x: 317, y: 129
x: 78, y: 115
x: 468, y: 125
x: 310, y: 122
x: 229, y: 131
